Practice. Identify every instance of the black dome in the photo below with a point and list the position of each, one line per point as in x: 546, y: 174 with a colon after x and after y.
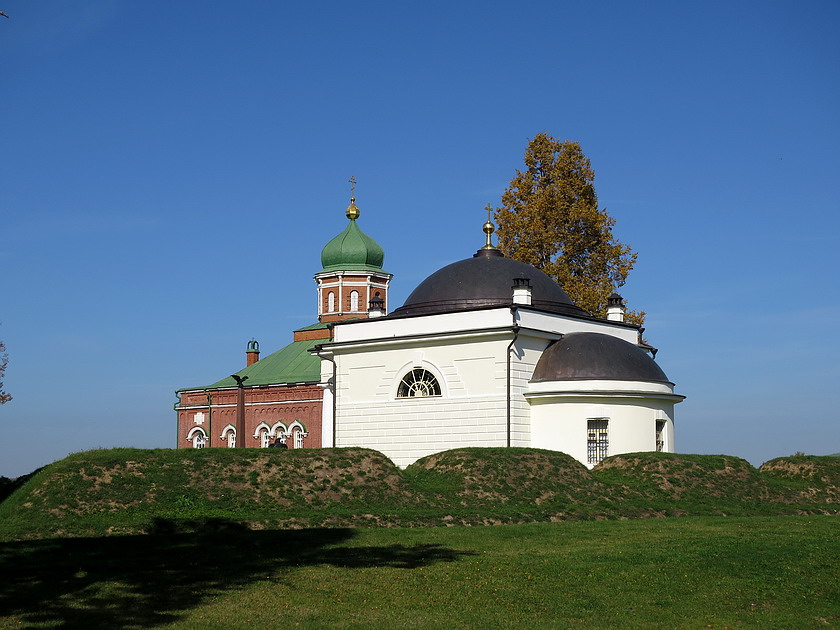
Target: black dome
x: 595, y: 356
x: 485, y: 280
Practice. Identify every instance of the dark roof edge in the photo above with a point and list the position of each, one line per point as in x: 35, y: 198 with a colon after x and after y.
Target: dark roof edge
x: 234, y: 388
x: 600, y: 378
x: 315, y: 326
x: 338, y: 344
x: 530, y: 307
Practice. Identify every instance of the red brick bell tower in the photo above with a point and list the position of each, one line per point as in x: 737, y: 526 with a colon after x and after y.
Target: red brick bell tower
x: 352, y: 283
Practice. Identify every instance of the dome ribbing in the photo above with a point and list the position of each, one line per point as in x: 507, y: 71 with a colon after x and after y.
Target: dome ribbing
x: 352, y: 250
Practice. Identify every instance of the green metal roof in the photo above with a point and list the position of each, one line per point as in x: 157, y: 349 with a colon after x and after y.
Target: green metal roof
x: 352, y: 250
x: 292, y: 364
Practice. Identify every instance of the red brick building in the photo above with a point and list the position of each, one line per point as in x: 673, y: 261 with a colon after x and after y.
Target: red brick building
x: 281, y: 397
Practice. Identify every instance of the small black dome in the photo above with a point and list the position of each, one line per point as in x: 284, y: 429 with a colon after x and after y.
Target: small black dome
x: 485, y: 280
x: 589, y: 355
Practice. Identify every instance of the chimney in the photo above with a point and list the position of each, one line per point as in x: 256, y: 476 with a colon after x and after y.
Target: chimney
x: 615, y: 308
x: 376, y: 306
x: 521, y: 291
x: 252, y: 354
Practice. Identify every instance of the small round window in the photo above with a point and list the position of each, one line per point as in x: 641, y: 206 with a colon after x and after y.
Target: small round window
x: 417, y: 384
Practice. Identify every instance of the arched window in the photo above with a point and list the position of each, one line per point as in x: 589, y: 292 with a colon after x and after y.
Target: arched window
x: 229, y: 436
x: 331, y: 302
x: 418, y: 383
x: 354, y: 301
x: 198, y: 437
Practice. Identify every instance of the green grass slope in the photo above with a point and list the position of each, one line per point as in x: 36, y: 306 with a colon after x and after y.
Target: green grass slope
x: 673, y: 484
x: 123, y: 491
x: 808, y: 478
x: 669, y: 484
x: 131, y: 490
x: 495, y: 485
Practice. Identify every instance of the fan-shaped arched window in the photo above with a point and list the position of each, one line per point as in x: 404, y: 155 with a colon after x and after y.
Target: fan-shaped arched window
x: 198, y: 437
x: 418, y: 383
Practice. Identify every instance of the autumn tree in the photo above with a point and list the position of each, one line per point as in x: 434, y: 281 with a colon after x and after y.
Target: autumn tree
x: 549, y: 218
x: 4, y: 361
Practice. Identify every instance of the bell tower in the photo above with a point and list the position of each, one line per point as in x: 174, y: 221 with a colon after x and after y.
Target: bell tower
x: 352, y: 281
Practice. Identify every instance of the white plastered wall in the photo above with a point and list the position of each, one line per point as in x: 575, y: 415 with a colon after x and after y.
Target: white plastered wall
x: 471, y: 411
x: 524, y: 356
x: 559, y: 422
x: 467, y: 351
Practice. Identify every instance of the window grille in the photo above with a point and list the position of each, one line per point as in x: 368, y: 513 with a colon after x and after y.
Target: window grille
x: 418, y: 383
x: 660, y: 435
x: 597, y: 439
x: 199, y: 439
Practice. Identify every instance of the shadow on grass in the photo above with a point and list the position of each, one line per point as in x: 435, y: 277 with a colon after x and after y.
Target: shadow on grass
x: 143, y: 581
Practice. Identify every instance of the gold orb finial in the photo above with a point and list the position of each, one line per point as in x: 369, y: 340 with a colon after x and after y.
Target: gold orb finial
x: 352, y: 210
x: 489, y: 228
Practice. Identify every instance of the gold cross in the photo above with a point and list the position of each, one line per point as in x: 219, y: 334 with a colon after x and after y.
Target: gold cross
x: 352, y: 181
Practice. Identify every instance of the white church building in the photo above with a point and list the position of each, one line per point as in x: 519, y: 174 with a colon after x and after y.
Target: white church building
x: 487, y: 351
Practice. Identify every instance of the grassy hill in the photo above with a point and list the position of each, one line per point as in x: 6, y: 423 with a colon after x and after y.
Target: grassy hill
x: 126, y: 491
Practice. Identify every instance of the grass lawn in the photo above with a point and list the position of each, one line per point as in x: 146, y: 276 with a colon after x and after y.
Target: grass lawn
x: 700, y: 572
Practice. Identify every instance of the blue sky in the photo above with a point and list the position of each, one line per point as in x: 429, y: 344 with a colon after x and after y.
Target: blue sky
x: 171, y: 170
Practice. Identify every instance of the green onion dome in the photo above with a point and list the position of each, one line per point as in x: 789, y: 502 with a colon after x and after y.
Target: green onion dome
x: 352, y: 250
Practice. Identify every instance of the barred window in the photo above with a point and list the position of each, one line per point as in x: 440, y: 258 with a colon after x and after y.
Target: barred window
x: 417, y: 384
x: 660, y: 435
x: 597, y: 439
